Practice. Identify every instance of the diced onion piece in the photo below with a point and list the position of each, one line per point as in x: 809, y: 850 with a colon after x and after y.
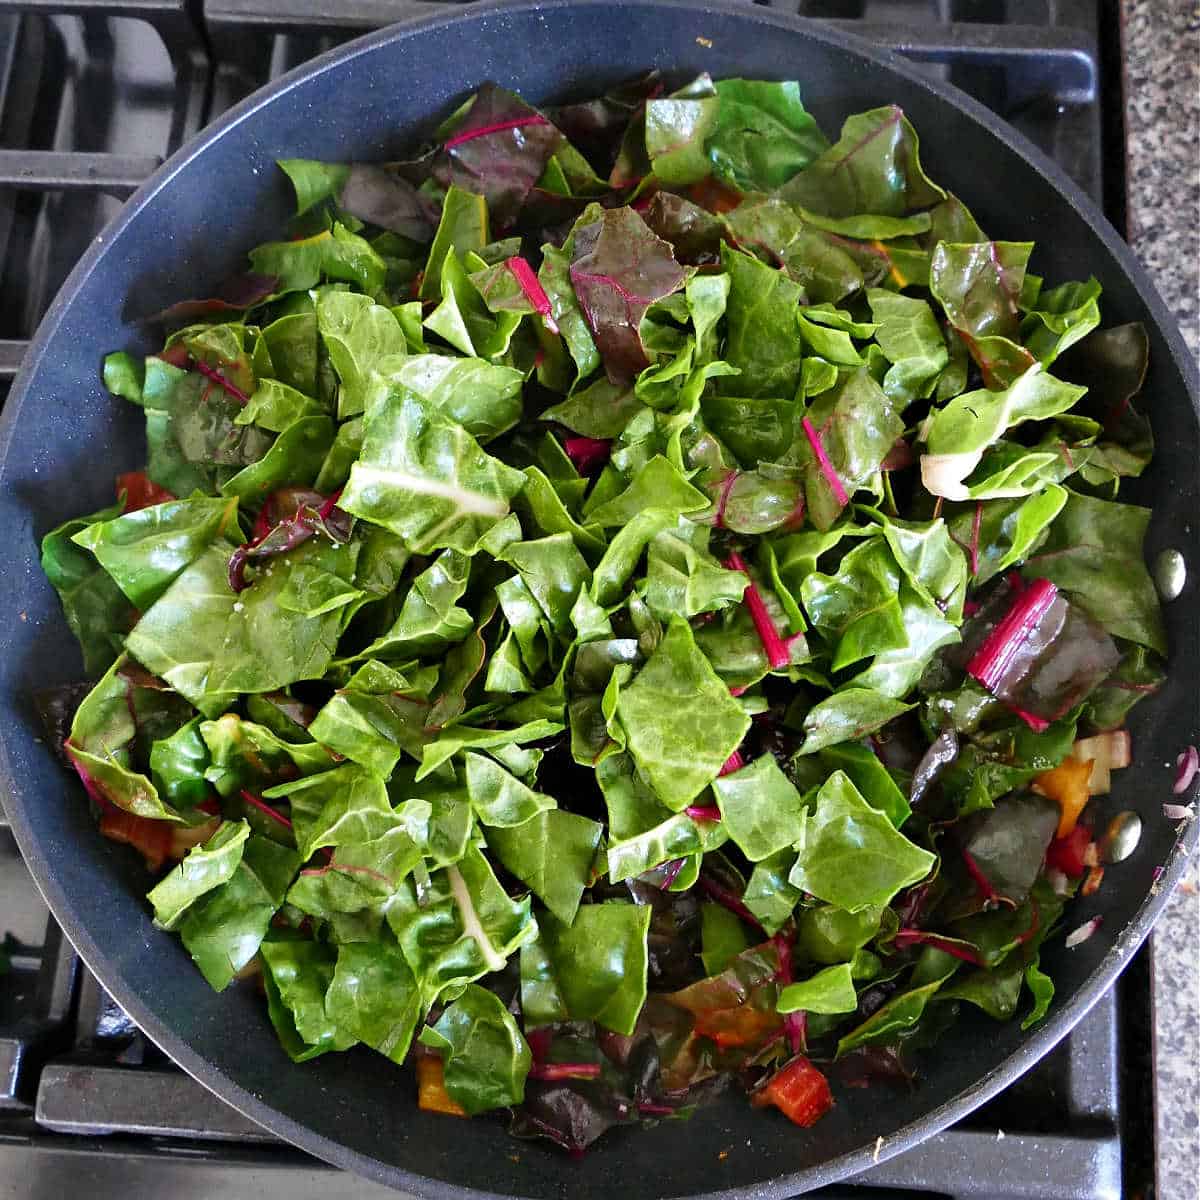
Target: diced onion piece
x: 1178, y: 812
x: 1058, y: 881
x: 1078, y: 936
x: 1187, y: 764
x: 1109, y: 752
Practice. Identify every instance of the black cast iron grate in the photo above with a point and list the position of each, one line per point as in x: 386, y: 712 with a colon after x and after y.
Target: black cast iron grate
x: 93, y: 95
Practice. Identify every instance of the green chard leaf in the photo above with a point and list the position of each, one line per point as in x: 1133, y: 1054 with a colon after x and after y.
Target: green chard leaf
x: 829, y: 991
x: 460, y: 927
x: 374, y: 997
x: 424, y: 477
x: 851, y: 856
x: 681, y: 723
x: 763, y: 135
x: 1094, y: 553
x: 297, y: 975
x: 145, y: 550
x: 874, y: 167
x: 761, y: 808
x: 225, y: 927
x: 486, y: 1058
x: 552, y: 853
x: 211, y: 643
x: 600, y: 963
x: 98, y: 613
x: 203, y: 868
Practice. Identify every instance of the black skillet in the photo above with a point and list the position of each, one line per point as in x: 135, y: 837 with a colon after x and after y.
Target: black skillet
x: 62, y: 439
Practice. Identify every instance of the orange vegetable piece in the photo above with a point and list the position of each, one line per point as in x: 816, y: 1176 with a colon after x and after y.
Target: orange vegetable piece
x: 431, y: 1088
x: 798, y: 1090
x: 151, y: 838
x: 741, y: 1026
x: 1067, y: 786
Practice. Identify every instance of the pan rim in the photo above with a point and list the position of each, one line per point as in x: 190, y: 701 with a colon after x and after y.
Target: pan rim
x: 67, y: 910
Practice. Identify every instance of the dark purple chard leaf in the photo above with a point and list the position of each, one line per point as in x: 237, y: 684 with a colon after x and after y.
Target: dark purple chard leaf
x: 288, y: 518
x: 238, y: 294
x: 597, y: 126
x: 499, y: 149
x: 1094, y: 553
x: 942, y: 753
x: 693, y: 231
x: 378, y: 195
x: 56, y: 707
x: 1112, y: 364
x: 1005, y: 847
x: 381, y: 197
x: 874, y: 167
x: 618, y: 270
x: 1042, y: 656
x: 572, y: 1114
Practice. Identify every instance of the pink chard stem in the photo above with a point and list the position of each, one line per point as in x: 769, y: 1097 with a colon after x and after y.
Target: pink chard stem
x: 223, y: 383
x: 992, y: 660
x: 470, y: 135
x: 773, y: 645
x: 534, y: 292
x: 831, y: 476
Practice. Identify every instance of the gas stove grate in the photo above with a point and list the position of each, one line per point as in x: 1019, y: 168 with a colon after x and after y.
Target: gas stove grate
x: 93, y: 95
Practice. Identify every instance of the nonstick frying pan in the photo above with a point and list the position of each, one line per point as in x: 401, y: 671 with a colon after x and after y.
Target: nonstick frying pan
x: 62, y: 438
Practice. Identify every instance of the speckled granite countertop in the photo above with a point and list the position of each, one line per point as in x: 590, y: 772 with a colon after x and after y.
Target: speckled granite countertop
x: 1162, y: 57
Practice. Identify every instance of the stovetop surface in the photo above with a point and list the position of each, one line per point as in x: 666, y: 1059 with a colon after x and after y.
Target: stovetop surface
x: 93, y: 95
